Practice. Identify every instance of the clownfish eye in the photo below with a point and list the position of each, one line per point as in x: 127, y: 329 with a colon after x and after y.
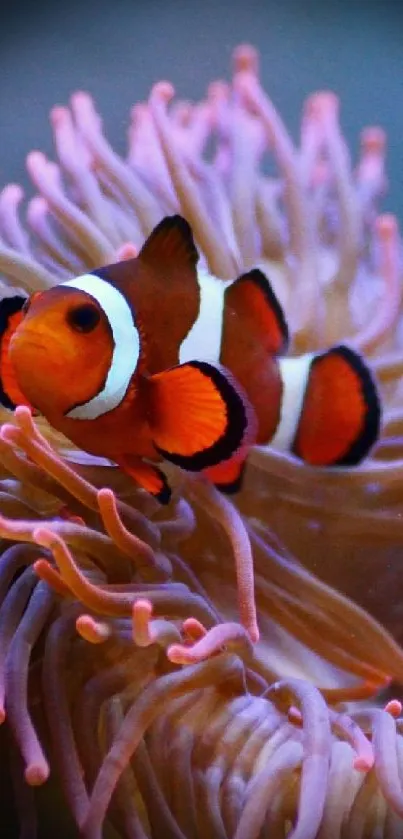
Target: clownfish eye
x: 83, y: 318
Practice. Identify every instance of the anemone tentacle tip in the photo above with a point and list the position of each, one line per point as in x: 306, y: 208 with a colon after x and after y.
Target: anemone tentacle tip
x: 37, y: 774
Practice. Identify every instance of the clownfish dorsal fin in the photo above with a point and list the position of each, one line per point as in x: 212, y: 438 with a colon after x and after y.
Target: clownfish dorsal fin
x: 11, y: 315
x: 170, y: 249
x: 253, y: 297
x: 199, y: 415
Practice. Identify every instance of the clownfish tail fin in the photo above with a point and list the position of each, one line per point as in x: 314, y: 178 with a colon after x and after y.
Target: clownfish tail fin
x: 11, y: 315
x: 331, y: 411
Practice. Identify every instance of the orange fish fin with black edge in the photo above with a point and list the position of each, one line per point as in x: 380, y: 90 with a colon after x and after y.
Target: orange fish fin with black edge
x: 253, y: 297
x: 341, y: 413
x: 148, y: 476
x: 170, y: 248
x: 199, y: 415
x: 227, y: 476
x: 11, y: 315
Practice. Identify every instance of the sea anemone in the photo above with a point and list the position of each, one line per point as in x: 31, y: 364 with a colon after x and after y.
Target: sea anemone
x: 125, y: 667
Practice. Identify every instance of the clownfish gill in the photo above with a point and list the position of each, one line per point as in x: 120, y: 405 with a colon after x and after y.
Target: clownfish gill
x: 126, y: 346
x: 151, y: 359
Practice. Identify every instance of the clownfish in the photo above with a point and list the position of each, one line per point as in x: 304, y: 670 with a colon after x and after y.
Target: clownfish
x: 151, y: 359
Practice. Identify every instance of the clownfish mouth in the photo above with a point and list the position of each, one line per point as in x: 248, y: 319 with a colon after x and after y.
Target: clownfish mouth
x: 27, y: 335
x: 31, y: 346
x: 32, y: 366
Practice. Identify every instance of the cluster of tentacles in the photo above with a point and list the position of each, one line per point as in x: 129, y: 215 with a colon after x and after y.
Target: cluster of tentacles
x: 124, y: 665
x: 161, y: 713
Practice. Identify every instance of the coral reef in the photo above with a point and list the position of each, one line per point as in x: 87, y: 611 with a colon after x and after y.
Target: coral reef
x: 123, y: 665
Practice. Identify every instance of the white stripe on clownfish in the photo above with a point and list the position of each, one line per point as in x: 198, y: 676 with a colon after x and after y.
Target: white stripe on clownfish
x: 126, y: 350
x: 294, y: 376
x: 203, y: 341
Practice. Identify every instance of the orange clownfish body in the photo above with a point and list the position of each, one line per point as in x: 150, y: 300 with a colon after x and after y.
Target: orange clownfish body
x: 150, y: 359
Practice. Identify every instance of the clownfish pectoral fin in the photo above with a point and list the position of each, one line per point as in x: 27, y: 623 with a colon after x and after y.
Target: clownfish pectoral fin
x: 338, y: 409
x: 11, y: 315
x: 199, y: 416
x: 253, y: 297
x: 228, y: 476
x: 148, y: 476
x: 170, y: 248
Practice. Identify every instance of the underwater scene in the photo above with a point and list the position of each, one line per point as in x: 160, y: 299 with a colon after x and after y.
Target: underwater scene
x: 201, y: 460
